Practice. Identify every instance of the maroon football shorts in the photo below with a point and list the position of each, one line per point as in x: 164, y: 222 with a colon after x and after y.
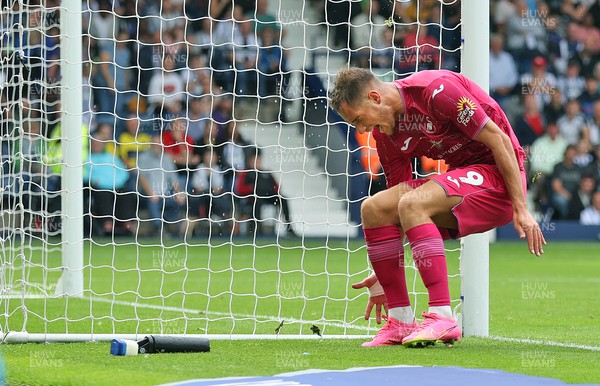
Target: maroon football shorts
x: 485, y: 203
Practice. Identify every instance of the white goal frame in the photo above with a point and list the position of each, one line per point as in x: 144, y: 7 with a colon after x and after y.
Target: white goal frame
x: 474, y: 261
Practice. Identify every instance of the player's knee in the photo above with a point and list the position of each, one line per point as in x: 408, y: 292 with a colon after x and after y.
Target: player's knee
x: 369, y: 208
x: 408, y: 205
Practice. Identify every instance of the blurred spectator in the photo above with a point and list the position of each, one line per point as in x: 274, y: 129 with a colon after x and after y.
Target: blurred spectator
x: 545, y: 153
x: 586, y: 58
x: 54, y: 155
x: 554, y: 110
x: 176, y: 47
x: 271, y: 64
x: 502, y: 12
x: 572, y: 125
x: 232, y: 154
x: 554, y: 6
x: 594, y: 168
x: 420, y: 51
x: 210, y: 197
x: 530, y: 125
x: 180, y: 146
x: 539, y: 82
x: 582, y: 197
x: 584, y: 156
x: 234, y: 150
x: 132, y: 142
x: 166, y: 91
x: 195, y: 76
x: 199, y: 120
x: 366, y: 32
x: 383, y: 55
x: 51, y: 53
x: 565, y: 180
x: 172, y: 15
x: 29, y: 150
x: 159, y: 181
x: 244, y: 53
x: 572, y: 83
x: 128, y: 20
x: 106, y: 133
x: 223, y: 31
x: 258, y: 188
x: 558, y: 46
x: 261, y: 18
x: 574, y: 44
x: 112, y: 80
x: 103, y: 24
x: 419, y: 11
x: 525, y: 35
x: 574, y: 9
x: 593, y: 124
x: 591, y: 214
x: 337, y: 15
x: 196, y: 10
x: 590, y: 36
x: 110, y: 204
x: 222, y: 114
x: 594, y: 10
x: 203, y: 39
x: 503, y: 71
x: 146, y: 61
x: 589, y: 96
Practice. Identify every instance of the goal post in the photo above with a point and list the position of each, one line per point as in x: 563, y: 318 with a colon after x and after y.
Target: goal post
x: 474, y: 260
x: 208, y: 272
x: 72, y: 170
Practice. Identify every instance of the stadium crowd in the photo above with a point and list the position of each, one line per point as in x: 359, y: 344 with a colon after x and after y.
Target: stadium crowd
x: 158, y: 96
x: 160, y: 81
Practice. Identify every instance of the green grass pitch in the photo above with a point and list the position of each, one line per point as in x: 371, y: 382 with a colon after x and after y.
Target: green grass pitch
x: 553, y: 298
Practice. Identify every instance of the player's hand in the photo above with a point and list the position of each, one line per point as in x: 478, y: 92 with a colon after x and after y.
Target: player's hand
x: 374, y: 301
x: 527, y: 227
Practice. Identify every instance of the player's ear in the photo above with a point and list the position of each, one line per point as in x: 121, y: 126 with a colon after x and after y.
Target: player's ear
x: 375, y: 96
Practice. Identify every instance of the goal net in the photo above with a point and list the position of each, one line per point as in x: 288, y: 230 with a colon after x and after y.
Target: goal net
x: 173, y: 167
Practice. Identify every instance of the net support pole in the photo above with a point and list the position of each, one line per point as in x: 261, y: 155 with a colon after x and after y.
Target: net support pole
x: 71, y: 130
x: 474, y: 262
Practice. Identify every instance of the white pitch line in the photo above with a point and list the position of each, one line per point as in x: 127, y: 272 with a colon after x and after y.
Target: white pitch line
x: 545, y: 343
x: 237, y: 316
x: 339, y: 325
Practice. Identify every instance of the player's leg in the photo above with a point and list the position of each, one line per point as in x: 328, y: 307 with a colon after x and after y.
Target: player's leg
x: 416, y: 212
x: 385, y: 249
x: 469, y: 200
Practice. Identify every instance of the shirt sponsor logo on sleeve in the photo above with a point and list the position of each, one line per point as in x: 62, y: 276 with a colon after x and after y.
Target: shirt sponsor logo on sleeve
x: 466, y: 109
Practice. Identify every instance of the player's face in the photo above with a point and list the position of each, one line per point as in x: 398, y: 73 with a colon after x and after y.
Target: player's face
x: 370, y: 114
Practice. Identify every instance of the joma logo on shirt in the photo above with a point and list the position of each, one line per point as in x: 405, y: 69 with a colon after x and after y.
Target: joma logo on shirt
x: 466, y: 109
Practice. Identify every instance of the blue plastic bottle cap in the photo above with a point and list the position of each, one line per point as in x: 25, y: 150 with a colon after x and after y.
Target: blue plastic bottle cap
x: 123, y: 347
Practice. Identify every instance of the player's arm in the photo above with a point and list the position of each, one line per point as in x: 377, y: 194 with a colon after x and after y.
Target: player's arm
x: 504, y: 155
x: 396, y: 167
x: 450, y: 101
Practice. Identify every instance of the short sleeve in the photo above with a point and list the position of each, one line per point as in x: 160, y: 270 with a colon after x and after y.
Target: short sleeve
x: 396, y: 166
x: 448, y: 100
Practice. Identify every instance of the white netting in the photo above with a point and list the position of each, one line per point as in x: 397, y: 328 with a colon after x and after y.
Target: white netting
x: 186, y: 231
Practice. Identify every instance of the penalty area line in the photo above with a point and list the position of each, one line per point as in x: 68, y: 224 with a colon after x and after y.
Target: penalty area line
x: 544, y: 343
x: 225, y: 314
